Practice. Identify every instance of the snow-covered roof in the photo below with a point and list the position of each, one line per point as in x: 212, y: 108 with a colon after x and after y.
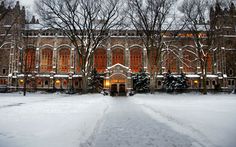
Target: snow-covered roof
x: 212, y: 76
x: 43, y: 76
x: 230, y: 36
x: 20, y: 75
x: 77, y: 76
x: 173, y: 27
x: 160, y: 76
x: 61, y: 76
x: 118, y: 64
x: 193, y: 76
x: 33, y: 27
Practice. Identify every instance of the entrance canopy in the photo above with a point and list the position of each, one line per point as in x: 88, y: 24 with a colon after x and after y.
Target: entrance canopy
x: 118, y: 74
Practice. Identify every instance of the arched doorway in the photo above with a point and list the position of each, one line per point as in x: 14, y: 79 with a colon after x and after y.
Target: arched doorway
x: 118, y: 84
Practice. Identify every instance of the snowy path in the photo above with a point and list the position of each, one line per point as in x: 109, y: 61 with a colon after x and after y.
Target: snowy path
x: 94, y: 120
x: 126, y: 125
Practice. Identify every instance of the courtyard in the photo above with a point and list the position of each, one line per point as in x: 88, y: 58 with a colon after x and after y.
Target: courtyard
x: 94, y: 120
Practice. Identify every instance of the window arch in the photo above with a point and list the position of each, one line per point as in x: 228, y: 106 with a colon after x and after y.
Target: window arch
x: 136, y: 62
x: 152, y: 60
x: 78, y: 62
x: 64, y: 60
x: 209, y: 63
x: 118, y: 56
x: 29, y: 60
x: 100, y: 60
x: 171, y: 61
x: 46, y: 60
x: 189, y: 61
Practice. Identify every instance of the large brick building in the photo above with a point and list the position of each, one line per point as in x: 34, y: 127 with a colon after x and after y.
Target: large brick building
x: 52, y: 62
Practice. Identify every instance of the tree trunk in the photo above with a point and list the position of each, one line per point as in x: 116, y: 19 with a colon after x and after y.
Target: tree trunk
x: 152, y: 83
x: 84, y: 84
x: 204, y: 90
x: 25, y: 85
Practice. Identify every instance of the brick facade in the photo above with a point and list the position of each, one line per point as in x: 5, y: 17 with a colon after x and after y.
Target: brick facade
x: 53, y: 63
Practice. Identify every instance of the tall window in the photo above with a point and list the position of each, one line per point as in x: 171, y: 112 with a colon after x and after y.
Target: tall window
x: 100, y: 60
x: 171, y: 62
x: 152, y: 60
x: 30, y: 60
x: 64, y: 61
x: 189, y: 62
x: 46, y: 60
x: 136, y: 60
x: 209, y: 63
x: 78, y: 62
x: 118, y: 56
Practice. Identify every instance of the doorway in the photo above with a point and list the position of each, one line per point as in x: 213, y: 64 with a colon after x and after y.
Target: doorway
x: 122, y: 91
x: 114, y: 91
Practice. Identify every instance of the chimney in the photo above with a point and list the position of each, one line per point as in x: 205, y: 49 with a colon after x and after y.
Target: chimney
x: 2, y: 4
x: 33, y: 20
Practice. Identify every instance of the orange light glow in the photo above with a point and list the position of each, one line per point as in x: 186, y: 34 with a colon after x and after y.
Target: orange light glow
x: 58, y: 81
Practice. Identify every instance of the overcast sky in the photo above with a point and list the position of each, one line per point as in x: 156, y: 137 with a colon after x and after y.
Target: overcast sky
x: 26, y: 2
x: 29, y: 4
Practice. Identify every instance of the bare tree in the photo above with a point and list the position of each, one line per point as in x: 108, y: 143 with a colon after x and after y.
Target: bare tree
x: 151, y: 18
x: 205, y: 32
x: 86, y: 23
x: 9, y: 17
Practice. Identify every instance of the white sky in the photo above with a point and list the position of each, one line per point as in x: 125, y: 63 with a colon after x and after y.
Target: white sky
x: 27, y: 3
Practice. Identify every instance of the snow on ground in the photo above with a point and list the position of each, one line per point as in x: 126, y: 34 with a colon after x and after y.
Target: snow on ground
x: 48, y: 120
x: 94, y: 120
x: 126, y: 125
x: 210, y: 119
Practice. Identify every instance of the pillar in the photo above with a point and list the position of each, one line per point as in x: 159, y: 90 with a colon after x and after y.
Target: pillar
x: 145, y: 58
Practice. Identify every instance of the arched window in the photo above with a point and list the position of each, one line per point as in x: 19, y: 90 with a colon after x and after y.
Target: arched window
x: 46, y: 60
x: 64, y: 60
x: 30, y: 60
x: 118, y: 56
x: 100, y: 60
x: 209, y: 63
x: 189, y: 61
x: 136, y: 62
x: 152, y: 60
x: 171, y: 61
x: 78, y: 62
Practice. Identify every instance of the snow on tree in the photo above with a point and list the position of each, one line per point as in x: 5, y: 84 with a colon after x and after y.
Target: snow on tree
x: 95, y: 81
x: 152, y: 17
x: 86, y: 23
x: 172, y: 83
x: 141, y: 82
x: 197, y: 16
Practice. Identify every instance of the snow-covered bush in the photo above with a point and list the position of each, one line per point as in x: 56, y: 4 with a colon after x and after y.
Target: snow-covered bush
x: 141, y: 82
x: 172, y: 83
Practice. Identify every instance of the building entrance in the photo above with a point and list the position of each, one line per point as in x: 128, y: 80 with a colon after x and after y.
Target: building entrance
x: 118, y: 90
x: 118, y: 80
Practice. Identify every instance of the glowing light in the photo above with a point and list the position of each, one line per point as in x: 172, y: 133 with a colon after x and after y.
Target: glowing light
x: 196, y: 82
x: 107, y: 83
x: 21, y: 81
x: 58, y: 81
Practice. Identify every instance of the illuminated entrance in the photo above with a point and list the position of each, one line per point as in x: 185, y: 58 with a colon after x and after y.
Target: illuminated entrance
x: 118, y: 80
